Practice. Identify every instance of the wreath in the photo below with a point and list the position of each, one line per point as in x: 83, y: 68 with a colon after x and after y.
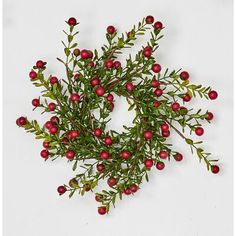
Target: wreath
x: 82, y: 103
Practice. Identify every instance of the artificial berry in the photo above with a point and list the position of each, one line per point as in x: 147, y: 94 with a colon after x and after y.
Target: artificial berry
x: 104, y: 155
x: 125, y: 155
x: 21, y: 121
x: 175, y: 106
x: 91, y: 64
x: 210, y: 116
x: 187, y: 97
x: 215, y: 169
x: 160, y: 165
x: 51, y: 106
x: 163, y: 154
x: 133, y: 188
x: 178, y: 157
x: 129, y: 86
x: 53, y: 130
x: 77, y: 76
x: 147, y: 52
x: 165, y: 127
x: 148, y: 163
x: 111, y: 29
x: 76, y: 52
x: 40, y: 64
x: 73, y: 134
x: 70, y: 154
x: 184, y: 75
x: 158, y: 92
x: 100, y: 91
x: 109, y: 64
x: 212, y: 94
x: 149, y: 19
x: 44, y: 153
x: 95, y: 81
x: 127, y: 191
x: 108, y: 141
x: 102, y: 210
x: 46, y: 144
x: 98, y: 197
x: 72, y: 21
x: 33, y: 75
x: 54, y: 120
x: 48, y: 124
x: 155, y: 83
x: 74, y: 97
x: 199, y: 131
x: 110, y: 97
x: 156, y: 68
x: 117, y: 64
x: 147, y: 134
x: 165, y: 133
x: 97, y: 132
x: 53, y: 80
x: 35, y: 102
x: 100, y: 167
x: 158, y: 25
x: 85, y: 54
x: 61, y: 190
x: 156, y: 104
x: 111, y: 181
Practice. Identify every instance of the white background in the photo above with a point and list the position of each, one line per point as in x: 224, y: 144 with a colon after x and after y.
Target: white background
x: 184, y: 199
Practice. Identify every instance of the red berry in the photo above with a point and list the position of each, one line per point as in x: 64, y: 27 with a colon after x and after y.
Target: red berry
x: 77, y: 76
x: 156, y: 68
x: 54, y: 120
x: 74, y: 97
x: 187, y: 97
x: 117, y: 64
x: 91, y: 64
x: 158, y: 92
x: 102, y: 210
x: 110, y: 97
x: 85, y: 54
x: 111, y: 29
x: 210, y: 116
x: 65, y: 140
x: 199, y: 131
x: 165, y: 127
x: 125, y: 155
x: 163, y: 154
x: 48, y: 124
x: 100, y: 91
x: 160, y: 165
x: 53, y: 80
x: 127, y: 191
x: 109, y: 64
x: 35, y: 102
x: 147, y: 52
x: 129, y: 86
x: 51, y: 106
x: 61, y: 190
x: 165, y: 133
x: 158, y: 25
x: 184, y: 75
x: 40, y: 64
x: 33, y: 75
x: 44, y: 153
x: 175, y: 106
x: 21, y: 121
x: 215, y: 169
x: 134, y: 188
x: 104, y: 155
x: 149, y: 19
x: 76, y: 52
x: 100, y: 167
x: 46, y: 144
x: 72, y: 21
x: 155, y: 83
x: 111, y: 181
x: 178, y: 157
x: 111, y: 106
x: 53, y: 130
x: 73, y: 134
x: 147, y: 134
x: 97, y: 132
x: 148, y: 163
x: 98, y: 197
x: 87, y: 188
x: 95, y: 81
x: 70, y: 154
x: 108, y: 141
x: 212, y: 94
x: 156, y: 104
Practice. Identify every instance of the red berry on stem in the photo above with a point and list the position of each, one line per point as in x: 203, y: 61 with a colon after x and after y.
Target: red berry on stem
x: 178, y: 157
x: 175, y: 106
x: 158, y: 25
x: 54, y: 120
x: 210, y: 116
x: 199, y: 131
x: 74, y: 97
x: 212, y: 94
x: 215, y: 169
x: 187, y: 97
x: 156, y: 104
x: 35, y: 102
x: 102, y: 210
x: 44, y: 153
x: 149, y: 19
x: 91, y: 64
x: 77, y: 76
x: 70, y: 154
x: 95, y: 81
x: 163, y: 154
x: 165, y: 127
x: 40, y: 64
x: 165, y: 133
x: 61, y: 190
x: 129, y: 86
x: 73, y: 134
x: 110, y: 97
x: 117, y: 64
x: 125, y: 155
x: 53, y: 80
x: 109, y: 64
x: 147, y: 134
x: 104, y: 155
x: 134, y: 188
x: 46, y: 144
x: 51, y: 106
x: 72, y: 21
x: 111, y: 181
x: 156, y: 68
x: 48, y: 124
x: 184, y: 75
x: 147, y: 52
x: 65, y: 140
x: 85, y: 54
x: 53, y: 130
x: 127, y: 191
x: 100, y: 167
x: 155, y: 83
x: 111, y: 29
x: 148, y: 163
x: 98, y: 197
x: 21, y: 121
x: 97, y: 132
x: 100, y: 91
x: 160, y: 165
x: 108, y: 141
x: 33, y: 75
x: 158, y: 92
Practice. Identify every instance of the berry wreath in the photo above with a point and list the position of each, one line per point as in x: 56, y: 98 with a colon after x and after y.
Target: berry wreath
x: 124, y: 159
